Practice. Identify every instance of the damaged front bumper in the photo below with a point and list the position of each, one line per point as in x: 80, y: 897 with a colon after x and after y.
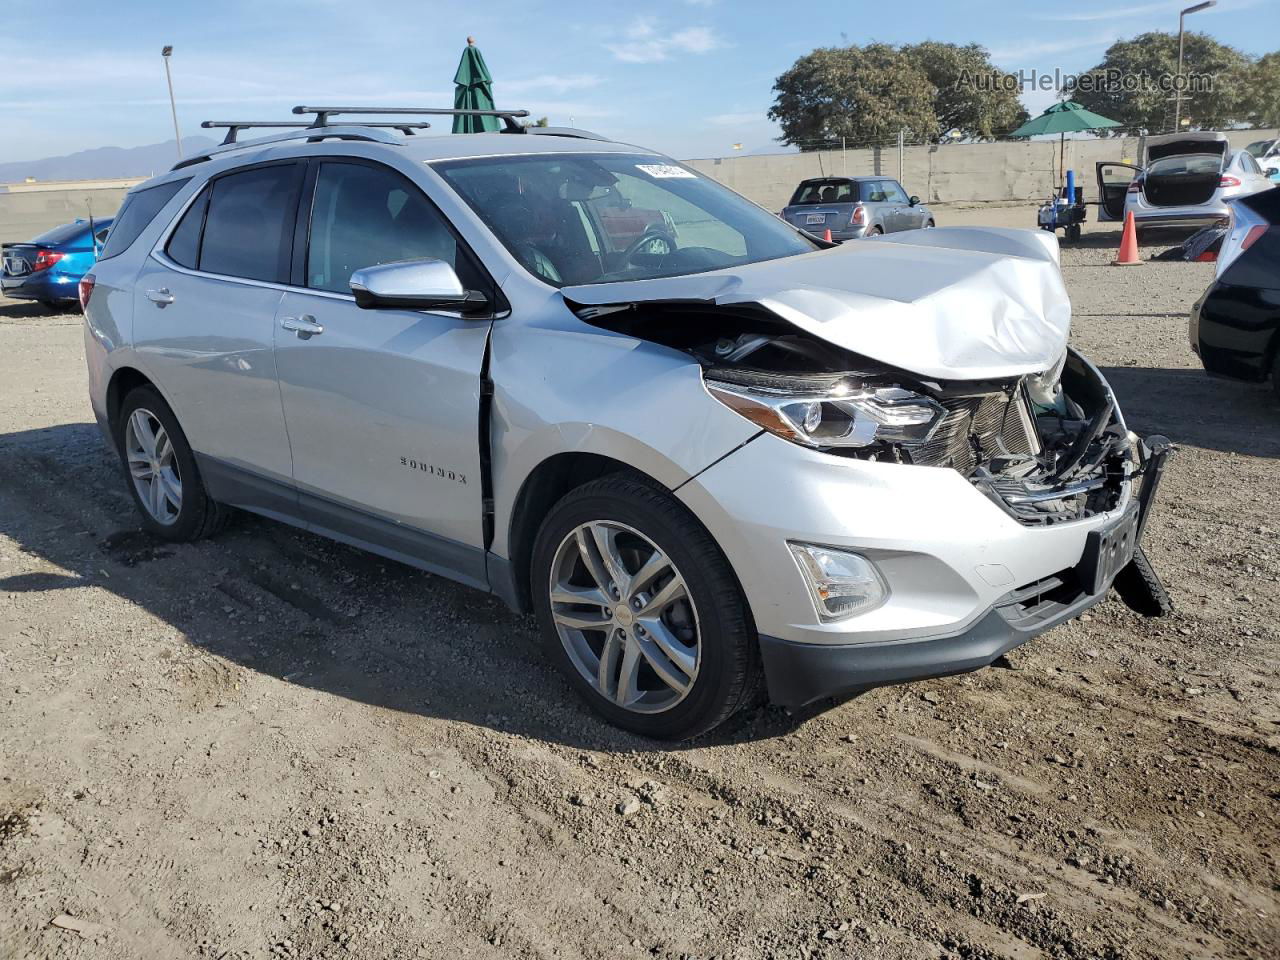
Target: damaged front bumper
x: 797, y: 674
x: 968, y: 579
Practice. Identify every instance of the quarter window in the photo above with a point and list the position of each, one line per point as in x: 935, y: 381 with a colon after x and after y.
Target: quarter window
x: 364, y: 215
x: 184, y: 242
x: 249, y: 225
x: 140, y: 208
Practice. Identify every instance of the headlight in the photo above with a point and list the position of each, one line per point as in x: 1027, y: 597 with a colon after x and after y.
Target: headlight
x: 829, y: 411
x: 841, y: 583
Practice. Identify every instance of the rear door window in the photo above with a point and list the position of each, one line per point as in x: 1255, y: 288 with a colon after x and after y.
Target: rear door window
x: 140, y: 208
x: 248, y: 230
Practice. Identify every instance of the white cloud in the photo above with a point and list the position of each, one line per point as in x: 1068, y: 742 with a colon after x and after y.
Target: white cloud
x: 557, y: 83
x: 1022, y: 51
x: 1170, y: 7
x: 645, y: 43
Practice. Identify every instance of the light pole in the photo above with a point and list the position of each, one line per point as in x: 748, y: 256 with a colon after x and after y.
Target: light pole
x: 1177, y: 91
x: 165, y: 54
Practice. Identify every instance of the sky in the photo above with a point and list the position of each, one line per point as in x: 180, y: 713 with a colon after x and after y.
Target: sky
x: 689, y: 77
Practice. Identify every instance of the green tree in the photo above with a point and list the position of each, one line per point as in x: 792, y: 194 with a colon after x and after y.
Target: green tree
x: 1113, y: 87
x: 864, y: 94
x: 1262, y: 92
x: 971, y: 94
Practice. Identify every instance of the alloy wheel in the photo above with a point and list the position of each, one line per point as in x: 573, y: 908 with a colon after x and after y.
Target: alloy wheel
x: 625, y: 616
x: 153, y: 466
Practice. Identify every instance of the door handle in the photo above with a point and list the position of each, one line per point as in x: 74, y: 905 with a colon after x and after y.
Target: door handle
x: 304, y: 326
x: 161, y: 298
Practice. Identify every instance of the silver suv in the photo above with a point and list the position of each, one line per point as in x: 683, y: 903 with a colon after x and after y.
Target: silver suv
x: 713, y: 456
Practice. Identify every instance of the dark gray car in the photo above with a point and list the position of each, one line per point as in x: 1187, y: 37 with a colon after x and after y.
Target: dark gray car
x: 852, y: 207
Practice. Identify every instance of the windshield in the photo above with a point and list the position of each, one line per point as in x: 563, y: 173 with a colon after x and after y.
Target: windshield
x: 600, y: 218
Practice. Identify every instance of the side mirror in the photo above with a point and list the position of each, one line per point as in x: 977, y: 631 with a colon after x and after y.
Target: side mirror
x: 1272, y: 171
x: 914, y: 200
x: 413, y: 285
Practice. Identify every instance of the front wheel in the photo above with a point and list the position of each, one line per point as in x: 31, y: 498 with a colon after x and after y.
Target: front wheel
x: 641, y: 611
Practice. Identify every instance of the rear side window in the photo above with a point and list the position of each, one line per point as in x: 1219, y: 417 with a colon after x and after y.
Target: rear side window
x: 874, y: 191
x: 248, y: 230
x: 140, y: 208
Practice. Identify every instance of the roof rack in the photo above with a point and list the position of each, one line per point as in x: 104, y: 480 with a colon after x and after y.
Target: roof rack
x: 233, y: 127
x: 508, y: 117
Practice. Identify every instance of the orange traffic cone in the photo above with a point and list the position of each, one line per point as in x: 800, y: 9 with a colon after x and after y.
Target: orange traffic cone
x: 1128, y: 244
x: 827, y: 236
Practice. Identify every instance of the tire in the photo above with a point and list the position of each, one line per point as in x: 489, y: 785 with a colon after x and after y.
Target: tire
x: 1073, y: 233
x: 194, y: 515
x: 929, y: 225
x: 877, y: 231
x: 1275, y: 374
x: 638, y: 522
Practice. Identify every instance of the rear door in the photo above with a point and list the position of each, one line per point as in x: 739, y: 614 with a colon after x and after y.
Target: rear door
x: 383, y: 406
x: 880, y: 212
x: 1113, y: 184
x: 204, y: 320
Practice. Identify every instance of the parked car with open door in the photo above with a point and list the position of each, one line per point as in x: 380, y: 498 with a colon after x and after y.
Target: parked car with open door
x: 1183, y: 179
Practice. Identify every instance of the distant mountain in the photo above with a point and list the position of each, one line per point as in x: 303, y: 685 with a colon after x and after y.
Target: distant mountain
x: 103, y: 163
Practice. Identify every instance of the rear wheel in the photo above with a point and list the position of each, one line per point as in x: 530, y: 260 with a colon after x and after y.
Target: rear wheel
x: 161, y: 471
x: 1275, y: 374
x: 639, y: 608
x: 877, y: 231
x: 929, y: 225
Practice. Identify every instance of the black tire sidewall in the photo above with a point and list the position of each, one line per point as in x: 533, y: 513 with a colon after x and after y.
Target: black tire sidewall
x: 191, y: 516
x: 726, y: 632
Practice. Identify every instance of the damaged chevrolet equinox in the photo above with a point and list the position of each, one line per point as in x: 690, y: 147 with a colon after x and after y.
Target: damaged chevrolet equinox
x: 715, y: 456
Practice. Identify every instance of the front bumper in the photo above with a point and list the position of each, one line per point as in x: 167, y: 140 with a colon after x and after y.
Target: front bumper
x: 967, y: 581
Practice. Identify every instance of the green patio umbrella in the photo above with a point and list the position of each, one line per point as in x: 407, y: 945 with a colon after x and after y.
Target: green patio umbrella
x: 1063, y: 118
x: 475, y: 92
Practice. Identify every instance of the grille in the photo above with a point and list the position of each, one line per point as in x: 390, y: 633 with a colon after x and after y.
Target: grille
x: 990, y: 425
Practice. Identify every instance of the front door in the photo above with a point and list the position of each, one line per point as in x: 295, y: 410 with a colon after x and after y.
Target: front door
x: 1113, y: 184
x: 383, y: 406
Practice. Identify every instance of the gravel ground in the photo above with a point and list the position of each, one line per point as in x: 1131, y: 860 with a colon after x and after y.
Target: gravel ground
x: 271, y: 745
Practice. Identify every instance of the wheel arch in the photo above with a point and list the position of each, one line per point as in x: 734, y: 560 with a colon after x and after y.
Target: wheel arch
x: 550, y: 480
x: 124, y: 380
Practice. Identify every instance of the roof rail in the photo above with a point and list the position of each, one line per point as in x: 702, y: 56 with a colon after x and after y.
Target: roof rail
x: 562, y: 132
x: 308, y: 132
x: 508, y: 117
x: 233, y: 127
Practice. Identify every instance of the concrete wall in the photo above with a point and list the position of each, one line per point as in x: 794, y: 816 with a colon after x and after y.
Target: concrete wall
x: 28, y: 213
x: 952, y: 173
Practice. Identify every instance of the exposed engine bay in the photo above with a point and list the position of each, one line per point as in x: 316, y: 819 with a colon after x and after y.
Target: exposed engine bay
x: 1046, y: 448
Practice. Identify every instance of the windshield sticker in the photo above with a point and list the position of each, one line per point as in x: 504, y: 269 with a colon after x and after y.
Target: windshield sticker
x: 664, y: 171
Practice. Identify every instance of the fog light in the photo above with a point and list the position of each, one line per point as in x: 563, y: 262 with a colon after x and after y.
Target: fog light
x: 842, y: 584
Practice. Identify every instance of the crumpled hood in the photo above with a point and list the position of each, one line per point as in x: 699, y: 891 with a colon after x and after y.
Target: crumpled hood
x: 959, y: 303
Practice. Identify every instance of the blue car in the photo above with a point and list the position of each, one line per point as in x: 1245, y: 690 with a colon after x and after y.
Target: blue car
x: 49, y: 268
